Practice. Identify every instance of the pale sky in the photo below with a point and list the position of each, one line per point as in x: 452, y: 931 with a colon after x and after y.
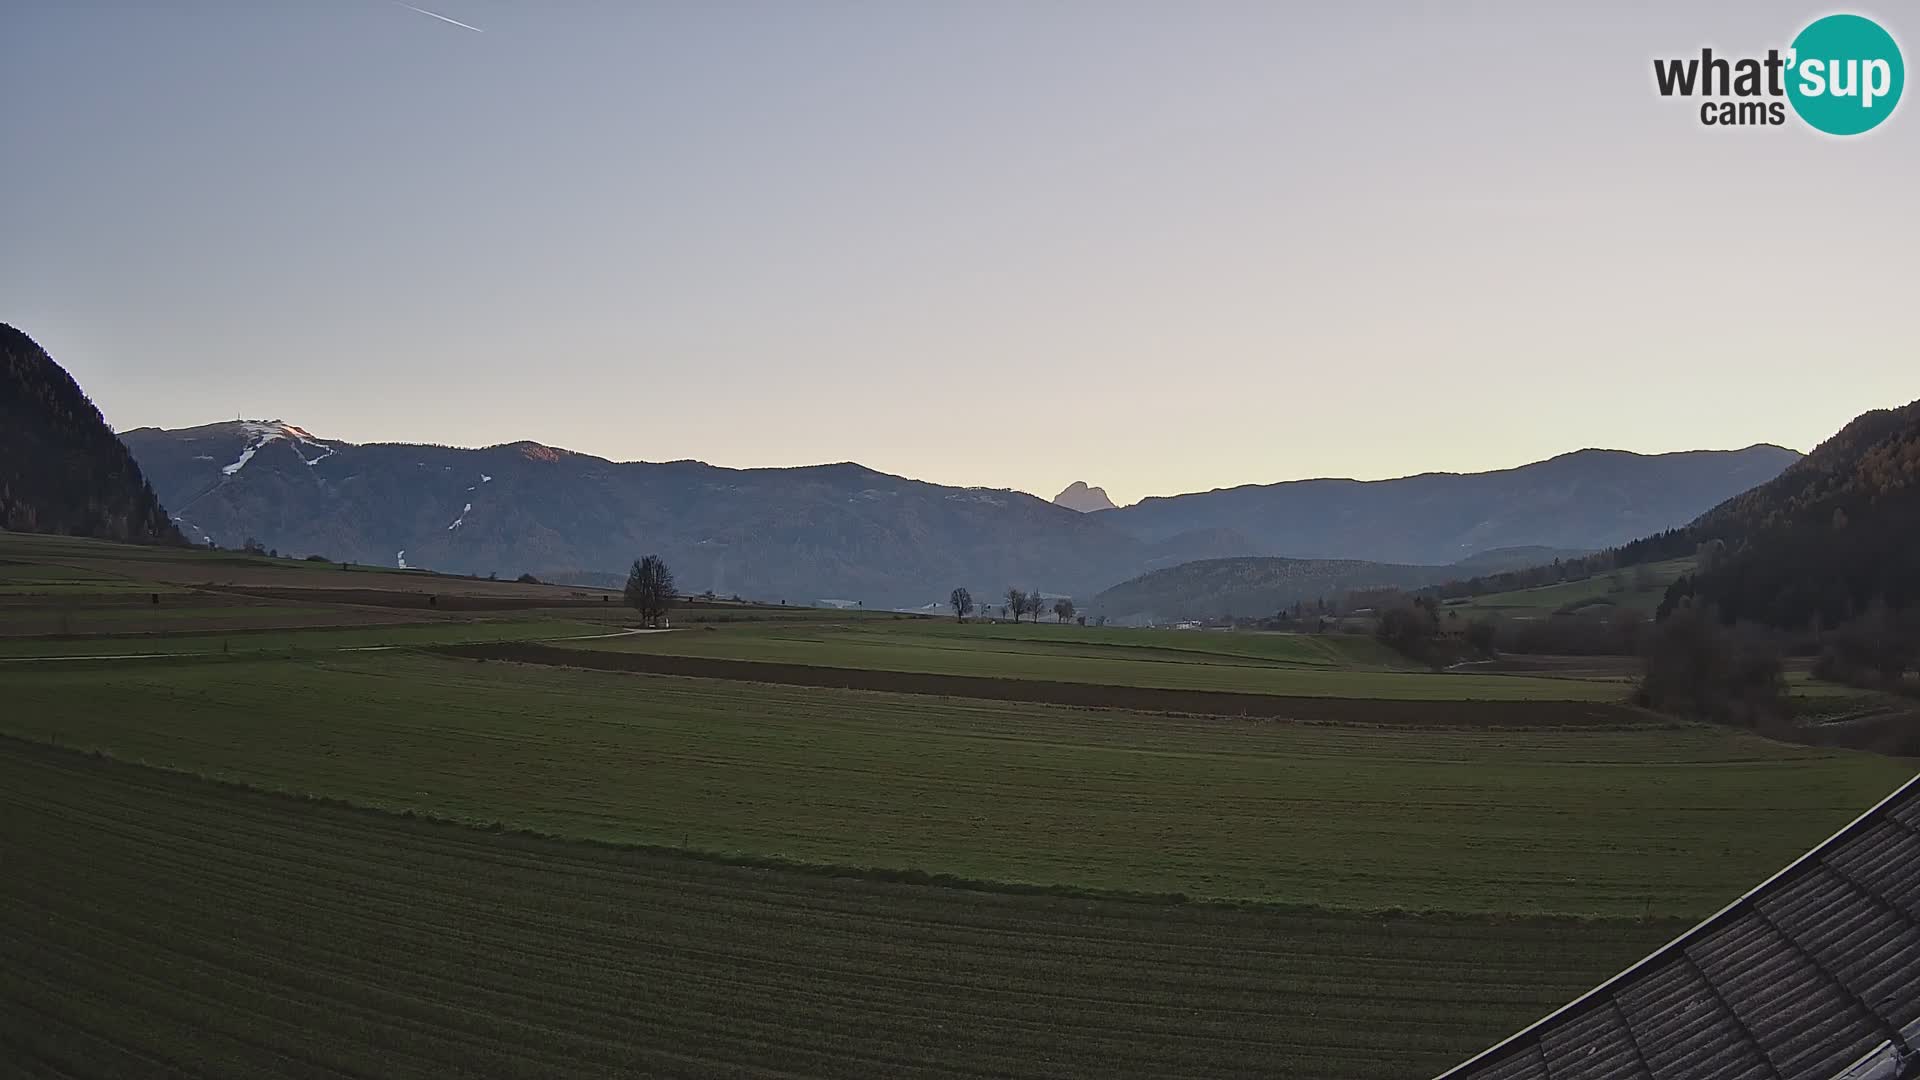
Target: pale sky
x: 1160, y: 247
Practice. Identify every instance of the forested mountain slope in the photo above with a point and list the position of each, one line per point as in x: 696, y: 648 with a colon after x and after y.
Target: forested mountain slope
x: 1832, y: 536
x: 61, y: 468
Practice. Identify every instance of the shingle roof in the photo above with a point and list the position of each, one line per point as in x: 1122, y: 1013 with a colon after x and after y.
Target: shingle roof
x: 1814, y: 975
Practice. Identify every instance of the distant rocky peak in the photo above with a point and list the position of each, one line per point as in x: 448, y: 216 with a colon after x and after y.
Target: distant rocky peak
x: 1078, y: 496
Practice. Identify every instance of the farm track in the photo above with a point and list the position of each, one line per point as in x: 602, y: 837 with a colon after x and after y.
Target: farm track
x: 1305, y: 709
x: 156, y: 924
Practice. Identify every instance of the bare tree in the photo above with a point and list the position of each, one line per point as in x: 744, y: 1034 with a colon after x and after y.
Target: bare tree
x: 650, y: 588
x: 962, y: 603
x: 1016, y: 603
x: 1035, y: 606
x: 1063, y: 609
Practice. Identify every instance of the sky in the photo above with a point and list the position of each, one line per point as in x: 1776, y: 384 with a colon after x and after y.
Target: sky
x: 1159, y: 247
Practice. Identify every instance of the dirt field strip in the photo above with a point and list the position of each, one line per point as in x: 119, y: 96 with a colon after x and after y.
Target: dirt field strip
x: 1394, y: 713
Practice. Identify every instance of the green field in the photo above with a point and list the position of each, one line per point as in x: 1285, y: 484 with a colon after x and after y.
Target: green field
x: 214, y: 931
x: 1309, y: 650
x: 1256, y: 663
x: 202, y: 615
x: 301, y: 842
x: 113, y: 561
x: 21, y: 579
x: 297, y: 641
x: 1672, y: 821
x: 1597, y: 593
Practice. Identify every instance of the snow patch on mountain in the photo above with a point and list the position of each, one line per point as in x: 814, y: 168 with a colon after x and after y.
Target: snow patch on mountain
x: 464, y: 511
x: 261, y: 432
x: 196, y: 530
x: 246, y: 455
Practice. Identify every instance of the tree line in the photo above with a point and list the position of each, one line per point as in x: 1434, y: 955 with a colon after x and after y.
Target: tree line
x: 1019, y: 602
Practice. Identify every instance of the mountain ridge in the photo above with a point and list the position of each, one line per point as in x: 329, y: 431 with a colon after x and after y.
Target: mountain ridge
x: 836, y: 529
x: 1582, y: 499
x: 1585, y: 450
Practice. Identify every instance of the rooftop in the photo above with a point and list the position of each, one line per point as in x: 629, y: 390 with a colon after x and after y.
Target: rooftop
x: 1813, y: 975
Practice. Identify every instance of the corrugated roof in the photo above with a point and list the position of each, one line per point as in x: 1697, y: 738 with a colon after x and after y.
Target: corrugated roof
x: 1814, y: 975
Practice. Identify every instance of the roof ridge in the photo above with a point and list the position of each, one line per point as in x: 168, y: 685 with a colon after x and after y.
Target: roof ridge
x: 1579, y: 1006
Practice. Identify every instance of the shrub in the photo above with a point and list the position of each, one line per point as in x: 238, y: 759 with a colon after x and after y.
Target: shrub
x: 1482, y: 635
x: 1874, y: 650
x: 1696, y: 667
x: 1411, y: 629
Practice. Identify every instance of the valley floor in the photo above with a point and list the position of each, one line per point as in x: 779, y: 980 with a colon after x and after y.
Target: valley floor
x: 337, y: 830
x: 1559, y: 821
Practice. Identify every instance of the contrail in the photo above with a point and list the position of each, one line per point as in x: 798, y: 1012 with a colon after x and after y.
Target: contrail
x: 442, y: 18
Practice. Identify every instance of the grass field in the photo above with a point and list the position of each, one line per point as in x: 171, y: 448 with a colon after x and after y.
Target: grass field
x: 1307, y: 650
x: 201, y: 614
x: 296, y: 641
x: 259, y: 604
x: 1672, y: 821
x: 215, y: 931
x: 22, y: 579
x: 1287, y: 664
x: 306, y: 843
x: 1592, y: 594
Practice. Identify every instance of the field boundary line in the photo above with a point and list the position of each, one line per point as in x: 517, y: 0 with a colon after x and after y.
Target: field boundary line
x: 1374, y: 712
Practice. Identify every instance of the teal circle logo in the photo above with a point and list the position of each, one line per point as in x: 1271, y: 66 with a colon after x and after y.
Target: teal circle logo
x: 1845, y: 74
